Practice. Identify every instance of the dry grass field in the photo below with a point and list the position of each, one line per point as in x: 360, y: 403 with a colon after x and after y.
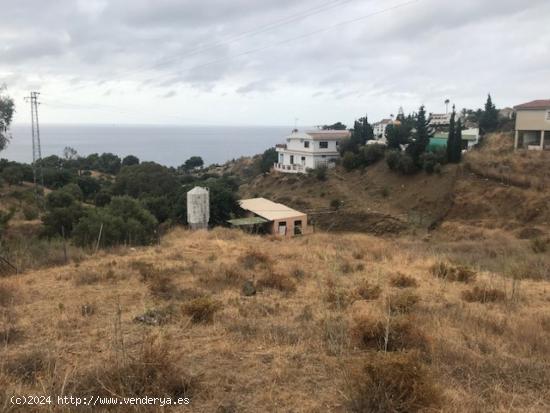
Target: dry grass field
x: 337, y: 323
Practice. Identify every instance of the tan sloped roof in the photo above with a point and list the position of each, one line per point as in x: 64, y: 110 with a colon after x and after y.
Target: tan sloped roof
x: 535, y: 104
x: 328, y: 134
x: 269, y: 210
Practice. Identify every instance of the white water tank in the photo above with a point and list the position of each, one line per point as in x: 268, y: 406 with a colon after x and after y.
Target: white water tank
x: 198, y: 208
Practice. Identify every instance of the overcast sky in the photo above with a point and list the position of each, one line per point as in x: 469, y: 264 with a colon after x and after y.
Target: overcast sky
x: 267, y: 62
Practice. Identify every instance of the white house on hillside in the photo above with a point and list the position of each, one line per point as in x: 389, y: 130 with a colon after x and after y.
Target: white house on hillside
x: 440, y: 119
x: 308, y: 150
x: 379, y: 128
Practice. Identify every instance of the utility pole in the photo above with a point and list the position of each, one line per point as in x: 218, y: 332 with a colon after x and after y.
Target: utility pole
x: 36, y: 148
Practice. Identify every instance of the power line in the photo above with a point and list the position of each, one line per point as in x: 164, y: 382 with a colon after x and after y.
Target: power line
x: 289, y: 40
x: 232, y: 39
x: 38, y: 175
x: 309, y: 34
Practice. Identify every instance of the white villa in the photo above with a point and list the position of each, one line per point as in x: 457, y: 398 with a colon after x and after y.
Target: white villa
x: 379, y: 128
x: 440, y: 119
x: 308, y: 150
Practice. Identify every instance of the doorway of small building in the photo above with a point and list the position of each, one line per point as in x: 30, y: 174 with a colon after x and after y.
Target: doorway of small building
x: 303, y: 160
x: 292, y: 159
x: 281, y: 230
x: 298, y: 227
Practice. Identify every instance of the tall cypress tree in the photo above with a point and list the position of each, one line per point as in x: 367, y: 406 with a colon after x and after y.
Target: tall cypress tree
x: 367, y: 131
x: 457, y: 156
x: 421, y: 137
x: 451, y: 142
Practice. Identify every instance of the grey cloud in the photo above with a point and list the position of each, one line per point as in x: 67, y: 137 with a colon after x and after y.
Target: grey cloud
x: 169, y: 94
x: 257, y: 86
x: 412, y: 55
x: 34, y: 46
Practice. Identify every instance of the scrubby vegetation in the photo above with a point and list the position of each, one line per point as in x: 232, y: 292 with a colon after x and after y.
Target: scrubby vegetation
x: 99, y: 201
x: 361, y: 329
x: 449, y: 319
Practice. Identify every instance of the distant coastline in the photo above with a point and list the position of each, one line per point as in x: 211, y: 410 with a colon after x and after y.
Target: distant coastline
x: 164, y: 144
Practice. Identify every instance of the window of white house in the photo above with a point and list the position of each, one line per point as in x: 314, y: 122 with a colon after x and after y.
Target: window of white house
x: 323, y: 145
x: 306, y: 144
x: 548, y: 115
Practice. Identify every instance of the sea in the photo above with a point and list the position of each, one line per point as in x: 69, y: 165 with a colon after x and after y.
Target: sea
x: 167, y: 145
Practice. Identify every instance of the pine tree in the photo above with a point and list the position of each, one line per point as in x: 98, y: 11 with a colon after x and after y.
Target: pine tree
x: 489, y: 119
x: 362, y: 132
x: 451, y: 140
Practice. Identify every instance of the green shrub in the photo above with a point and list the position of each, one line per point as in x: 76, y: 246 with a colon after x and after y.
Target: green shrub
x: 13, y: 175
x: 123, y: 221
x: 335, y: 204
x: 5, y: 217
x: 406, y: 164
x: 30, y: 212
x: 320, y: 172
x: 62, y: 213
x: 74, y: 190
x: 400, y: 161
x: 350, y: 161
x: 370, y: 154
x: 392, y: 159
x: 102, y: 199
x: 428, y: 161
x: 539, y: 245
x: 268, y: 159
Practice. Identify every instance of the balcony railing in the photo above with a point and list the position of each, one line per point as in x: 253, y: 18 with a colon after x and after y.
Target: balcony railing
x: 296, y: 168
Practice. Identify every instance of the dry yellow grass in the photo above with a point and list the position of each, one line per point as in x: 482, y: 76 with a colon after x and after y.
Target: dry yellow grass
x: 295, y: 344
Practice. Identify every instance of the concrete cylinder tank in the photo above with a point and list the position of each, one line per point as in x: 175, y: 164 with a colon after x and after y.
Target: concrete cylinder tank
x: 198, y: 208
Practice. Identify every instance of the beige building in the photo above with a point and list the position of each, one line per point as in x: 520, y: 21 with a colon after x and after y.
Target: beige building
x: 533, y: 125
x: 275, y: 218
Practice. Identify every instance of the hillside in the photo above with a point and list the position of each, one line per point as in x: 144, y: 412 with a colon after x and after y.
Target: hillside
x: 494, y: 187
x: 173, y: 320
x: 374, y: 200
x: 501, y: 188
x: 449, y: 313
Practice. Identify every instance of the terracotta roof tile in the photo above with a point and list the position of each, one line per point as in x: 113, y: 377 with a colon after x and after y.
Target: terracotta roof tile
x: 535, y: 104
